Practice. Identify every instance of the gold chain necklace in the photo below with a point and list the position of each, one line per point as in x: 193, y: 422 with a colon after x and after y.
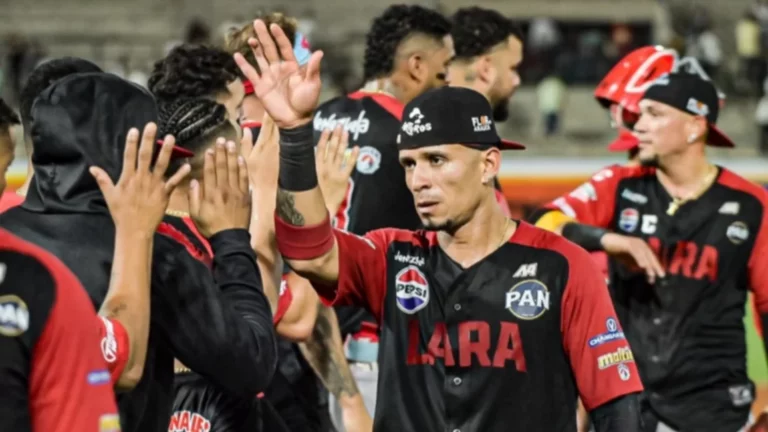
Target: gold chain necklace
x: 706, y: 182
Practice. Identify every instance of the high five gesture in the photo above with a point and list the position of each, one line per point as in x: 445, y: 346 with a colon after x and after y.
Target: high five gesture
x: 288, y: 95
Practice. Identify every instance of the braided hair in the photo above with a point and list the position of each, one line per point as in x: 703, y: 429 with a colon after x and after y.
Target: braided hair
x: 196, y: 123
x: 477, y: 30
x: 192, y: 71
x: 391, y: 29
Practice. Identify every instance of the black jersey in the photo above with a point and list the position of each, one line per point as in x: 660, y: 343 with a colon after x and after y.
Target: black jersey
x: 509, y: 342
x: 687, y: 330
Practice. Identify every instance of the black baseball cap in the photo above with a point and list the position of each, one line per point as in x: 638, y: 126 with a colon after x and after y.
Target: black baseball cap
x: 694, y: 95
x: 450, y: 115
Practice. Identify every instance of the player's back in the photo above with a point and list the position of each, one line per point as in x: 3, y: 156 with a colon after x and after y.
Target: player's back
x: 377, y: 196
x: 49, y: 346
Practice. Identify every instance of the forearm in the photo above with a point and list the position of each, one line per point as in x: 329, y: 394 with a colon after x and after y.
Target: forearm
x: 303, y: 230
x: 299, y: 198
x: 324, y: 352
x: 128, y: 298
x: 619, y: 415
x: 262, y: 231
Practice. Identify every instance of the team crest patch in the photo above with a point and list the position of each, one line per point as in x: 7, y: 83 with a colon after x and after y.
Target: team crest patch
x: 737, y: 232
x: 528, y: 299
x: 14, y: 316
x: 412, y: 290
x: 369, y: 160
x: 628, y: 219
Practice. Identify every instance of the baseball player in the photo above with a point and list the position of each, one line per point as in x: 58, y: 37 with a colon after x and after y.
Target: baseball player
x: 704, y: 227
x: 485, y: 320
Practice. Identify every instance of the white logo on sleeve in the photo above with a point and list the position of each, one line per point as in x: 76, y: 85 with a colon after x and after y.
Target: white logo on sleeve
x: 731, y: 207
x: 355, y: 126
x: 109, y: 341
x: 526, y: 270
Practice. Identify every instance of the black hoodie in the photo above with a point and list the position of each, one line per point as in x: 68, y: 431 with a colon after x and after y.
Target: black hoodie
x: 218, y: 323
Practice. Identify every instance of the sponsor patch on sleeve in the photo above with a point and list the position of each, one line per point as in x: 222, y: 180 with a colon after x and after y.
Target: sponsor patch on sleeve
x: 612, y: 333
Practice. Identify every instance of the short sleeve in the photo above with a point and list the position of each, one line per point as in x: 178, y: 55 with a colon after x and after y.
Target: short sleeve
x: 757, y: 266
x: 600, y: 356
x: 592, y: 203
x: 285, y: 297
x: 115, y: 346
x: 362, y: 270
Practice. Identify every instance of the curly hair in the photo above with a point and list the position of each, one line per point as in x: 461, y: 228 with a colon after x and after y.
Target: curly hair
x: 237, y: 39
x: 7, y: 116
x: 196, y: 123
x: 192, y: 71
x: 476, y: 31
x: 393, y: 27
x: 46, y: 74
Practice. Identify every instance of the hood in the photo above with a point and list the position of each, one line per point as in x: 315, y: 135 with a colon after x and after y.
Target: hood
x: 78, y: 122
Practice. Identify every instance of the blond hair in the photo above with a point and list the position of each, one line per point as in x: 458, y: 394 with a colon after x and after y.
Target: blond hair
x: 237, y: 39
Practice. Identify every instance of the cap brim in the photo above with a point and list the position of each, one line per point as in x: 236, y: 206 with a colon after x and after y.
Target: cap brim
x: 716, y: 138
x: 177, y: 152
x: 510, y: 145
x: 624, y: 142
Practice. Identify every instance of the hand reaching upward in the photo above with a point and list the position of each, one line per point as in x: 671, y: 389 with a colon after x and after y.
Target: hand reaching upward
x: 287, y: 94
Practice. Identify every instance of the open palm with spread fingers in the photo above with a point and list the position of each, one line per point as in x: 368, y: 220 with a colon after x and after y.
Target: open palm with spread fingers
x: 287, y: 94
x: 334, y: 164
x: 138, y: 201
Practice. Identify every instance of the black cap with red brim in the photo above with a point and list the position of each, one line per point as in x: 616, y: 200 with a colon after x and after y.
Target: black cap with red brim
x: 450, y: 115
x: 694, y: 95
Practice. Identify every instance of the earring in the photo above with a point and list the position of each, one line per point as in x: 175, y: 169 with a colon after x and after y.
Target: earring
x: 691, y: 138
x: 485, y: 180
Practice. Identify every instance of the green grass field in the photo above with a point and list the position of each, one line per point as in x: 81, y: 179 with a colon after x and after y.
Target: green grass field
x: 756, y: 364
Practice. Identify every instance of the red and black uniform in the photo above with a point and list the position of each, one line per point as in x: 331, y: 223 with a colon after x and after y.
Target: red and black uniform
x: 200, y: 405
x: 197, y: 314
x: 512, y: 340
x: 687, y: 329
x: 54, y: 374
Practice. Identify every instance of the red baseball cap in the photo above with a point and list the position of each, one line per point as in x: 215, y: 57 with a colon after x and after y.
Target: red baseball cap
x: 624, y: 142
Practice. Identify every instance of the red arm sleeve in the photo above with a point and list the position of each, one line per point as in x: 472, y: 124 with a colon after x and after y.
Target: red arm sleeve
x: 362, y: 271
x: 600, y: 356
x: 593, y: 202
x: 115, y: 346
x: 285, y: 297
x: 757, y: 266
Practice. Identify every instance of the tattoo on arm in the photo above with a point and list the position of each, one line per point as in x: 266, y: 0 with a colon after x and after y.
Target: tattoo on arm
x: 325, y: 354
x: 286, y: 208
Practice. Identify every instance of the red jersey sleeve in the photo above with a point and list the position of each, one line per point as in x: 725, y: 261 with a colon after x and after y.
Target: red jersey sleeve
x: 757, y: 267
x: 601, y: 359
x: 115, y: 346
x: 593, y: 202
x: 285, y: 297
x: 362, y: 271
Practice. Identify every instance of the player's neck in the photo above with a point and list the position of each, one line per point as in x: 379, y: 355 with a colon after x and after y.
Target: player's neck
x: 253, y: 110
x: 480, y: 236
x: 387, y: 86
x: 179, y: 201
x: 684, y: 172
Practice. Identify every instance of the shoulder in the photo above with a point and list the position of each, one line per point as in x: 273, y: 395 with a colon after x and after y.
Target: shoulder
x: 733, y: 181
x: 619, y: 172
x: 575, y: 257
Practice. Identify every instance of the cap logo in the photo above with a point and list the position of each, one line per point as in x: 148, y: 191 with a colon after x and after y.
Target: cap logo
x: 642, y: 79
x: 481, y: 124
x: 697, y: 107
x: 415, y: 125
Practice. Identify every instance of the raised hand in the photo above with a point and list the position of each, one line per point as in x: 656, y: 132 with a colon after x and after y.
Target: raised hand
x: 262, y: 157
x: 138, y: 201
x: 223, y: 201
x: 287, y: 94
x: 334, y: 165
